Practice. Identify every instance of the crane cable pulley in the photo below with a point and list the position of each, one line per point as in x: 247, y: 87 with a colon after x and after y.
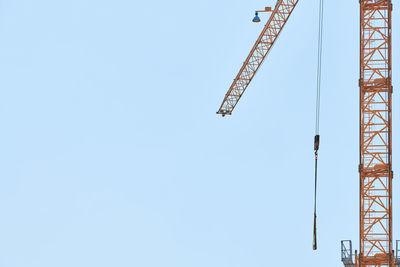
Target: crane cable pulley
x: 317, y: 113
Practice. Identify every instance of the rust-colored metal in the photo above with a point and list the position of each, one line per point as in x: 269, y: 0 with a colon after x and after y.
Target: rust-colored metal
x: 260, y: 50
x: 376, y: 245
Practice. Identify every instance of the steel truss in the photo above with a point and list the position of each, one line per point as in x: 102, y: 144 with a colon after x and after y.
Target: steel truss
x: 376, y: 245
x: 260, y: 50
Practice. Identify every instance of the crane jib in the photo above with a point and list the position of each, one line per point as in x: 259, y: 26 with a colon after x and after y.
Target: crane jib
x: 260, y: 50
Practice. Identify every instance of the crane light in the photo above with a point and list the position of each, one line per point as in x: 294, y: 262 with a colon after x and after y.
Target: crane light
x: 256, y: 18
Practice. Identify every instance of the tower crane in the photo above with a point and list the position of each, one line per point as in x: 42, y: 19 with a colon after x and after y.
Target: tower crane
x: 375, y: 162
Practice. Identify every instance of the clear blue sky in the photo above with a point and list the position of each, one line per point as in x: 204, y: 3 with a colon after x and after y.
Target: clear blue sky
x: 111, y: 153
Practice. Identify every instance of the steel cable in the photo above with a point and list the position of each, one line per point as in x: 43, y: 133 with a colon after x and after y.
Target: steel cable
x: 317, y: 115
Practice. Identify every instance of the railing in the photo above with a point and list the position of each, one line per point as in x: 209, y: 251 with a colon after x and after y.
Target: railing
x: 347, y: 250
x: 347, y: 253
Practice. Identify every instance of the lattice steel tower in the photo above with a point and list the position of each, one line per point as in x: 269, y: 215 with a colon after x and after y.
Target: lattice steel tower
x: 376, y: 243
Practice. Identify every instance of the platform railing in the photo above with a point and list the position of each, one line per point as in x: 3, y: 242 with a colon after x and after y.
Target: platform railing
x: 347, y: 253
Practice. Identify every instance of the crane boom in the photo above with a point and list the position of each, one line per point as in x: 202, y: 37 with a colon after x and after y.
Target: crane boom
x: 260, y: 50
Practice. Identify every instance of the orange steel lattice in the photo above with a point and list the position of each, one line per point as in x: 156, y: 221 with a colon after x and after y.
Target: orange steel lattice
x: 376, y: 245
x: 260, y: 50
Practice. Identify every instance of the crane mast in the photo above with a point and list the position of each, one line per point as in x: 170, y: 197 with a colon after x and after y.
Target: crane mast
x: 376, y: 245
x: 260, y: 50
x: 375, y: 169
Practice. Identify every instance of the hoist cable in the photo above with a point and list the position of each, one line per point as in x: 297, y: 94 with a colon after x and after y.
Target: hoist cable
x: 319, y: 66
x: 317, y: 116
